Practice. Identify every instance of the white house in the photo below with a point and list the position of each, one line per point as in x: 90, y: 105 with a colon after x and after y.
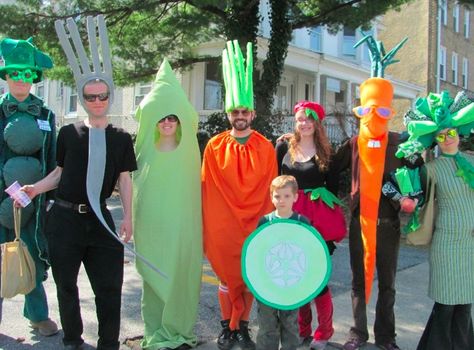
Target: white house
x: 319, y: 66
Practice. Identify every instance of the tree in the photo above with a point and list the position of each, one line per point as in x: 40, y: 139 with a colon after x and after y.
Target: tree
x: 142, y: 32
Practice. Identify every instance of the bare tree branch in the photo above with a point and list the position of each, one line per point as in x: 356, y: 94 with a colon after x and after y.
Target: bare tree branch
x: 313, y: 21
x: 121, y: 11
x: 208, y: 8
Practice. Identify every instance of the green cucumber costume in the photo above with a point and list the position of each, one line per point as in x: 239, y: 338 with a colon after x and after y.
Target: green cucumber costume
x: 167, y: 216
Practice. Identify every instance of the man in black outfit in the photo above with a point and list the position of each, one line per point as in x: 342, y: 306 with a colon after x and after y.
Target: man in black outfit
x: 75, y: 234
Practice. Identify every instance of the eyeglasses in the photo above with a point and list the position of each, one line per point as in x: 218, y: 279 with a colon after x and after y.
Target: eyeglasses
x: 27, y: 75
x: 451, y: 133
x: 169, y: 118
x: 236, y: 112
x: 92, y: 97
x: 382, y: 112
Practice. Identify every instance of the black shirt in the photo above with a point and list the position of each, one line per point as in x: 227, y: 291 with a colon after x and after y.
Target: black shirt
x: 272, y: 216
x: 72, y: 155
x: 307, y: 173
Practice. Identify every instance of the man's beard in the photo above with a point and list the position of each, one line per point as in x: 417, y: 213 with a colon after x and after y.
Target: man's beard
x: 239, y: 126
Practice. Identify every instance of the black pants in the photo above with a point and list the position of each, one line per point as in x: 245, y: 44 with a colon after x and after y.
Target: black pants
x: 73, y: 239
x: 449, y: 328
x: 388, y: 243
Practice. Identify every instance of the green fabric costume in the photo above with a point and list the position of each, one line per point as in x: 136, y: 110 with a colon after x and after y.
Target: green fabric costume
x: 36, y: 307
x: 167, y: 216
x: 27, y: 154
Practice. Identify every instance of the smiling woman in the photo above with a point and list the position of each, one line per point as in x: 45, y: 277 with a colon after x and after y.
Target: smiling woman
x: 168, y: 133
x: 167, y: 213
x: 307, y: 156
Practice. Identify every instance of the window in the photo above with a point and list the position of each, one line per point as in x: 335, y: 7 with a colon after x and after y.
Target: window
x: 140, y: 91
x: 315, y: 37
x: 444, y: 12
x: 466, y: 23
x: 292, y: 95
x: 442, y: 63
x: 456, y: 18
x: 280, y: 103
x: 60, y: 90
x: 39, y: 90
x: 213, y: 86
x: 465, y: 73
x: 365, y: 48
x: 306, y: 92
x: 340, y: 96
x: 72, y: 103
x: 454, y: 67
x: 348, y: 42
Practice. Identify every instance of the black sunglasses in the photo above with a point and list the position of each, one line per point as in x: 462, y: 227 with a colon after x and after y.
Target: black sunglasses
x: 92, y: 97
x: 171, y: 118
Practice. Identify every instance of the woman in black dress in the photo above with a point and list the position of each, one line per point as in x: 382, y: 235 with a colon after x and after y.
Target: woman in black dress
x: 307, y: 156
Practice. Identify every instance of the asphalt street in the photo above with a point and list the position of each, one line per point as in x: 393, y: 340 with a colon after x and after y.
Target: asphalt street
x: 412, y: 306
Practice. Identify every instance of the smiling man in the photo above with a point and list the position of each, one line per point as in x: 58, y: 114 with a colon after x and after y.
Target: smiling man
x: 75, y: 234
x: 238, y: 167
x: 26, y: 154
x: 79, y: 232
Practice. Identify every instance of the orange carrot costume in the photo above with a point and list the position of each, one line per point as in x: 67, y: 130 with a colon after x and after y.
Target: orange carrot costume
x: 372, y: 144
x: 235, y: 182
x: 376, y: 96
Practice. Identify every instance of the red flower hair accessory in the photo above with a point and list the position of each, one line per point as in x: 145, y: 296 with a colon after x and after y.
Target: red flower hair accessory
x: 312, y: 109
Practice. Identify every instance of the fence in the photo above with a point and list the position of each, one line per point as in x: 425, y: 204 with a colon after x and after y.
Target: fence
x: 337, y: 129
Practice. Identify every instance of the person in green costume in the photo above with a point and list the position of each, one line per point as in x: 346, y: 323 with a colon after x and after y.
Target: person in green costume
x: 167, y: 213
x: 440, y: 119
x: 27, y: 153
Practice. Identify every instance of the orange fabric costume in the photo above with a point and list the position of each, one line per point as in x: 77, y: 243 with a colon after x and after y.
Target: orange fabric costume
x: 374, y: 92
x: 235, y: 184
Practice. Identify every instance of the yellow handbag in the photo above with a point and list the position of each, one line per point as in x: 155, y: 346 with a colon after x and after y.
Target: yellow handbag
x: 427, y: 217
x: 18, y: 268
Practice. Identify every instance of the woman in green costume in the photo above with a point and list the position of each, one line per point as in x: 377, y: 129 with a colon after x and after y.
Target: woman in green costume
x: 167, y: 213
x: 441, y: 119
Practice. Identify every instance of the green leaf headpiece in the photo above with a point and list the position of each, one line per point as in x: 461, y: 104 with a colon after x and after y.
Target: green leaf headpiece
x: 238, y: 78
x: 433, y: 114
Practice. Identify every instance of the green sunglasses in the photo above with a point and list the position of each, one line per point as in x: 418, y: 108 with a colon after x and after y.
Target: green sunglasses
x: 451, y: 133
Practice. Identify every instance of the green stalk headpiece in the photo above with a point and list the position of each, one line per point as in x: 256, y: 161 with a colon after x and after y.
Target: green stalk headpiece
x: 237, y: 77
x: 433, y: 114
x: 378, y: 57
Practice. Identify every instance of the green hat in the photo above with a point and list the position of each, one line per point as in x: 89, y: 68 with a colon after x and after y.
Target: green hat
x: 238, y: 77
x: 433, y: 114
x: 23, y: 54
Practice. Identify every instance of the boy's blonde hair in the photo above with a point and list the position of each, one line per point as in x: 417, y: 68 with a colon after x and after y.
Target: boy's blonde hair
x: 284, y: 181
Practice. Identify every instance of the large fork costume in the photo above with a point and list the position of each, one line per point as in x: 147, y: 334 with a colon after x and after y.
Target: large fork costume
x: 83, y: 74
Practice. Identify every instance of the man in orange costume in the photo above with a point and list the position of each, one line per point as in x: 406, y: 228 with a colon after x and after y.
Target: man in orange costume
x: 238, y: 166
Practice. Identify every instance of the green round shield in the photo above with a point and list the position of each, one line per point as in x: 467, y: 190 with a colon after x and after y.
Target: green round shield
x: 285, y: 263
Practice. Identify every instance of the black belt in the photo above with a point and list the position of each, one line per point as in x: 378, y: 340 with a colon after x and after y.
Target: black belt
x: 80, y: 208
x: 388, y: 220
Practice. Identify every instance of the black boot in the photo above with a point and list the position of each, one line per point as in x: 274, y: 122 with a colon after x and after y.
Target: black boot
x: 225, y: 340
x: 242, y: 336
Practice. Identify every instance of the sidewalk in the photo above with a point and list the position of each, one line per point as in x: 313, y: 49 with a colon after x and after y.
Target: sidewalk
x: 412, y: 310
x: 412, y: 306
